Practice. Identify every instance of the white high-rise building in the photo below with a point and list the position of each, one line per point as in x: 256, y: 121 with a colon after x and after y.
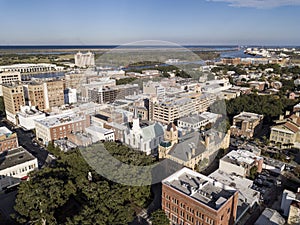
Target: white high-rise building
x: 85, y: 59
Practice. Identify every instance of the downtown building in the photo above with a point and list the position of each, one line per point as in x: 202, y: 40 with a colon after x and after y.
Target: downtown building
x: 189, y: 197
x: 109, y: 94
x: 15, y: 165
x: 84, y: 59
x: 171, y: 109
x: 8, y: 140
x: 59, y: 126
x: 13, y: 96
x: 9, y: 78
x: 31, y: 68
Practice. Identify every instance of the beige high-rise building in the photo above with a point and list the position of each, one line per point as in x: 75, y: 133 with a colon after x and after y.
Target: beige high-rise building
x: 54, y: 93
x: 13, y: 96
x: 8, y: 78
x: 36, y: 95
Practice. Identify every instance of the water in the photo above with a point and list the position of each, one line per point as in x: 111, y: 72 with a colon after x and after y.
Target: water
x: 43, y: 75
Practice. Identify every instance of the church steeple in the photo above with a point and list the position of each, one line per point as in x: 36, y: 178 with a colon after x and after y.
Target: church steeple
x: 135, y: 121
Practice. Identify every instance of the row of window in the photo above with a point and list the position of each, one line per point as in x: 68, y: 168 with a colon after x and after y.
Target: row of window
x: 16, y: 172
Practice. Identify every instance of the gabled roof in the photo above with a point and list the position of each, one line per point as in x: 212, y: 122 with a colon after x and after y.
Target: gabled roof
x: 183, y: 149
x: 152, y: 131
x: 291, y: 127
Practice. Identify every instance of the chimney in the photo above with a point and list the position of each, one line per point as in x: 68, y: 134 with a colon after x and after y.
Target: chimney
x: 193, y: 151
x: 281, y: 117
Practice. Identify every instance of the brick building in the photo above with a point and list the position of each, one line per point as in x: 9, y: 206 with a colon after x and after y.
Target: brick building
x: 8, y: 139
x: 59, y: 126
x: 189, y: 197
x: 246, y: 124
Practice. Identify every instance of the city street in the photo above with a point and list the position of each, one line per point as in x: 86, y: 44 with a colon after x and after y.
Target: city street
x: 25, y: 140
x: 7, y: 201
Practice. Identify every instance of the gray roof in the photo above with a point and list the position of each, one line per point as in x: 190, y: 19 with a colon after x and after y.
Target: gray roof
x: 192, y: 119
x: 152, y: 131
x: 194, y: 140
x: 183, y: 148
x: 270, y: 217
x: 200, y: 188
x: 14, y: 157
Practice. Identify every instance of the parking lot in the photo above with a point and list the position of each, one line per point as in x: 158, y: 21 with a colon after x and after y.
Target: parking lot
x: 267, y: 184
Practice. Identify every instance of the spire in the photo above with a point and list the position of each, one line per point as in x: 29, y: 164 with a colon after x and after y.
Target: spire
x: 135, y: 113
x: 136, y: 121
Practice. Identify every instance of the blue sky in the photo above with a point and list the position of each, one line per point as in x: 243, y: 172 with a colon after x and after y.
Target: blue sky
x: 263, y: 22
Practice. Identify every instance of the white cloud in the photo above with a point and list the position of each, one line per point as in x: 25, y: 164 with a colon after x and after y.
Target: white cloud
x: 259, y: 3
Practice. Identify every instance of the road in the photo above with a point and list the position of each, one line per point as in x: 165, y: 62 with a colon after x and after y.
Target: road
x: 25, y: 140
x: 7, y: 201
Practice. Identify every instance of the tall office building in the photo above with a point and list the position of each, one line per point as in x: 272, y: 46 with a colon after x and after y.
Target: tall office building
x: 8, y: 78
x: 84, y: 59
x: 13, y: 96
x: 36, y: 95
x: 54, y: 93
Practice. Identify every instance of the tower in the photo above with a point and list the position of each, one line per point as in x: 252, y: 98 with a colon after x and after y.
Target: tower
x: 171, y: 134
x: 135, y: 122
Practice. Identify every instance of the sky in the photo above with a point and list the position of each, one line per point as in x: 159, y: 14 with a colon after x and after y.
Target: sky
x: 188, y: 22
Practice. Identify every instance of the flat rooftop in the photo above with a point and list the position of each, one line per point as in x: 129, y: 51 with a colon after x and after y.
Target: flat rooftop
x: 247, y: 116
x: 241, y: 157
x: 60, y: 119
x: 99, y: 129
x: 5, y: 131
x: 193, y: 119
x: 243, y: 185
x: 14, y: 157
x: 200, y: 188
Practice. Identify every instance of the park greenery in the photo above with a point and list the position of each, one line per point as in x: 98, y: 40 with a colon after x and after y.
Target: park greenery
x: 12, y: 58
x: 269, y: 106
x: 126, y: 80
x: 64, y: 194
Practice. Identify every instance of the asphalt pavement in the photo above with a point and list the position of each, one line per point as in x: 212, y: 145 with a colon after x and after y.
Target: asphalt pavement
x: 25, y: 139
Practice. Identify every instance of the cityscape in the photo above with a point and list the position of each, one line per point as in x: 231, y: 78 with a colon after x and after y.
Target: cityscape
x: 150, y: 112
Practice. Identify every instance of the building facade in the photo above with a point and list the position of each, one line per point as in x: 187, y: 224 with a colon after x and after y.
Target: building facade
x: 189, y: 197
x: 287, y: 133
x: 28, y: 115
x: 8, y: 139
x: 16, y: 164
x: 59, y: 126
x: 240, y: 162
x: 13, y: 96
x: 9, y: 78
x: 54, y: 93
x: 84, y: 59
x: 172, y: 109
x: 246, y: 124
x: 145, y: 139
x: 36, y: 95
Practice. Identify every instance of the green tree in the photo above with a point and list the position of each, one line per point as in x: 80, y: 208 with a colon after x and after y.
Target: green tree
x: 159, y: 217
x: 253, y: 172
x: 62, y: 194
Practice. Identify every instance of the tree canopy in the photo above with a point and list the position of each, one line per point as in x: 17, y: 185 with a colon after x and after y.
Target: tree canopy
x: 62, y: 194
x: 159, y: 217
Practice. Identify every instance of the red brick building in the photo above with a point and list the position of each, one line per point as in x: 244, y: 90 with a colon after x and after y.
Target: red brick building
x: 59, y: 126
x: 190, y: 198
x: 8, y: 140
